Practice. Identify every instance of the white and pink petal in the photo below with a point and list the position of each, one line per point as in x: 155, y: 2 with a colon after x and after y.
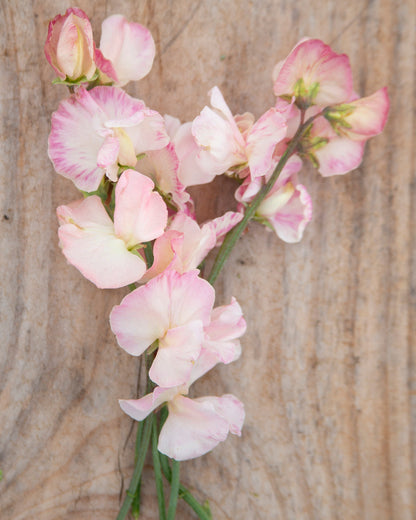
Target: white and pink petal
x: 178, y: 350
x: 129, y: 47
x: 140, y: 213
x: 195, y: 427
x: 88, y: 242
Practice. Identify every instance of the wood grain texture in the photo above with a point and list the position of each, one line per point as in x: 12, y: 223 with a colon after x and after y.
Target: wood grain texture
x: 328, y: 367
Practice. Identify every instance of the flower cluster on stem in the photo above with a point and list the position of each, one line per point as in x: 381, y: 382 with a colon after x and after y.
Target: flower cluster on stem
x: 135, y: 225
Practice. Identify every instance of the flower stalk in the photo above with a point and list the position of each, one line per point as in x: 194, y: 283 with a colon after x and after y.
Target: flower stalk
x: 233, y: 235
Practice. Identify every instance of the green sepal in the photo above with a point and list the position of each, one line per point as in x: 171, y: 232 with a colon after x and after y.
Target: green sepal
x: 73, y: 82
x: 305, y: 95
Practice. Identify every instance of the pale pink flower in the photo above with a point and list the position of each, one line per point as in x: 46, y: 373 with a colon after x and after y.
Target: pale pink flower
x: 172, y: 308
x: 93, y: 132
x: 69, y: 46
x: 337, y: 138
x: 217, y: 133
x: 287, y: 207
x: 194, y: 426
x: 314, y: 74
x: 106, y: 253
x: 185, y: 244
x: 126, y: 50
x: 335, y: 143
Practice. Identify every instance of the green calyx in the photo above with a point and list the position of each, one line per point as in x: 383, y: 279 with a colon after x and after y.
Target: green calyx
x: 305, y: 95
x: 337, y: 115
x: 73, y: 82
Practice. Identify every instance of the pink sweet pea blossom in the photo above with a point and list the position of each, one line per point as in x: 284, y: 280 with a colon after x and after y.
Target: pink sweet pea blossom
x: 288, y: 207
x: 194, y: 426
x: 314, y: 74
x: 126, y: 50
x: 172, y: 308
x: 336, y: 140
x: 95, y: 131
x: 69, y: 46
x: 217, y: 133
x: 185, y: 244
x: 104, y: 252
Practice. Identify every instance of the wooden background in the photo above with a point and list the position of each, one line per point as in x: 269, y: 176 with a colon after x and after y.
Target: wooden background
x: 328, y: 367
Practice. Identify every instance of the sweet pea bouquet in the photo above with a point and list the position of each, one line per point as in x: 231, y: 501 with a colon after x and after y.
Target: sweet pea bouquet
x: 135, y: 224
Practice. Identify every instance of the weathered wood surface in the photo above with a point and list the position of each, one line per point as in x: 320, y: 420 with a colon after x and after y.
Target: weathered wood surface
x: 328, y: 369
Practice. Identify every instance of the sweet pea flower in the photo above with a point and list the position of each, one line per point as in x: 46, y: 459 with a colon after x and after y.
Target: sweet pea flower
x: 172, y: 308
x: 93, y: 132
x: 287, y: 208
x: 185, y: 244
x: 106, y: 253
x: 314, y: 74
x: 126, y: 52
x: 217, y: 133
x: 336, y: 141
x: 69, y: 46
x: 194, y: 426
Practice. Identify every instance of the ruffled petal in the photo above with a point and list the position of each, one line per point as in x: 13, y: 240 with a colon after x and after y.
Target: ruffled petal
x: 129, y: 47
x: 222, y: 334
x: 369, y: 115
x: 140, y: 213
x: 170, y: 300
x: 326, y: 75
x: 195, y: 427
x: 88, y: 242
x: 166, y: 253
x: 139, y: 409
x: 339, y: 156
x: 196, y: 166
x: 178, y: 350
x: 262, y: 139
x: 74, y: 142
x: 293, y: 213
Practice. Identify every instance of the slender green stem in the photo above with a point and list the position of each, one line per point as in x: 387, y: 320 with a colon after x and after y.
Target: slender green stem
x: 158, y: 471
x: 125, y: 508
x: 174, y: 489
x: 184, y: 493
x: 235, y: 233
x: 139, y: 436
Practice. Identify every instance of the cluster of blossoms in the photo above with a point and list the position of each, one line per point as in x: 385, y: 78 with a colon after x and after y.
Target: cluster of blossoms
x: 136, y: 223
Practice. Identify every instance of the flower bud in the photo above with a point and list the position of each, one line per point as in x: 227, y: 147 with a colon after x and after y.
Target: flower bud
x: 69, y: 46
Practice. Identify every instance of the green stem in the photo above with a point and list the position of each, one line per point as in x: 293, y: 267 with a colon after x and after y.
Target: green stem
x: 174, y: 490
x: 158, y: 471
x: 125, y: 508
x: 235, y: 233
x: 184, y: 493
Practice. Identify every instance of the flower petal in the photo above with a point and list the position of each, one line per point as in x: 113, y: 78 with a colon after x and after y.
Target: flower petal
x: 88, y: 242
x: 140, y: 213
x: 195, y: 427
x: 319, y: 67
x: 129, y: 47
x: 139, y: 409
x: 262, y: 139
x: 292, y: 216
x: 178, y: 350
x: 369, y: 116
x: 339, y: 156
